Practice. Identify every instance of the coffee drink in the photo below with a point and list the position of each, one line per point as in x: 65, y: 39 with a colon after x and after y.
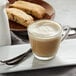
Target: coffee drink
x: 45, y: 38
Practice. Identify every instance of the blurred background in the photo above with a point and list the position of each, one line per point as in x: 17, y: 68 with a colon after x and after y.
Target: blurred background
x: 65, y: 11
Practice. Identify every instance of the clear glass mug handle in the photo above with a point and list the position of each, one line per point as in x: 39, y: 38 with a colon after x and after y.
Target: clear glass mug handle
x: 66, y: 30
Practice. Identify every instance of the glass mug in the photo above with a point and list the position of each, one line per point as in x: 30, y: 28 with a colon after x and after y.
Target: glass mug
x: 45, y: 37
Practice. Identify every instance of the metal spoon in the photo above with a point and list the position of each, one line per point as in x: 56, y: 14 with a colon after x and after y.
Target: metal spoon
x: 17, y: 59
x: 72, y: 33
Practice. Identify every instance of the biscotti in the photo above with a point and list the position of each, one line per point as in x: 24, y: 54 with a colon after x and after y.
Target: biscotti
x: 19, y: 16
x: 31, y: 8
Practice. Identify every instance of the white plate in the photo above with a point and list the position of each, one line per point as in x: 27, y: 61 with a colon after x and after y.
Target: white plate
x: 65, y: 56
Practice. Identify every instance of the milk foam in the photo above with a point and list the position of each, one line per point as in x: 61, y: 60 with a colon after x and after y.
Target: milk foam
x: 44, y: 30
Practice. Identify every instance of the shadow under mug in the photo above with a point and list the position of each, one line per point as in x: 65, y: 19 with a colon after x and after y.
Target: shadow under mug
x: 45, y: 47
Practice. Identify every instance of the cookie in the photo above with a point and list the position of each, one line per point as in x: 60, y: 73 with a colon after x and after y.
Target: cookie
x: 31, y: 8
x: 19, y: 16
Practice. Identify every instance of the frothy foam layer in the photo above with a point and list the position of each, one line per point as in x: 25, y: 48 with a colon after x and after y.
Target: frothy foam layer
x: 44, y: 30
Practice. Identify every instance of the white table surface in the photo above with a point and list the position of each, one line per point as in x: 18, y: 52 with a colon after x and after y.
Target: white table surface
x: 65, y: 11
x: 66, y: 56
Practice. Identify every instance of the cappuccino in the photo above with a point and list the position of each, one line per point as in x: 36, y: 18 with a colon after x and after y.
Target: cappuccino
x: 45, y: 37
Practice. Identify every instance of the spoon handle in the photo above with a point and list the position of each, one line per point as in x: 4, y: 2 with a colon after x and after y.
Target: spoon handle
x: 17, y: 59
